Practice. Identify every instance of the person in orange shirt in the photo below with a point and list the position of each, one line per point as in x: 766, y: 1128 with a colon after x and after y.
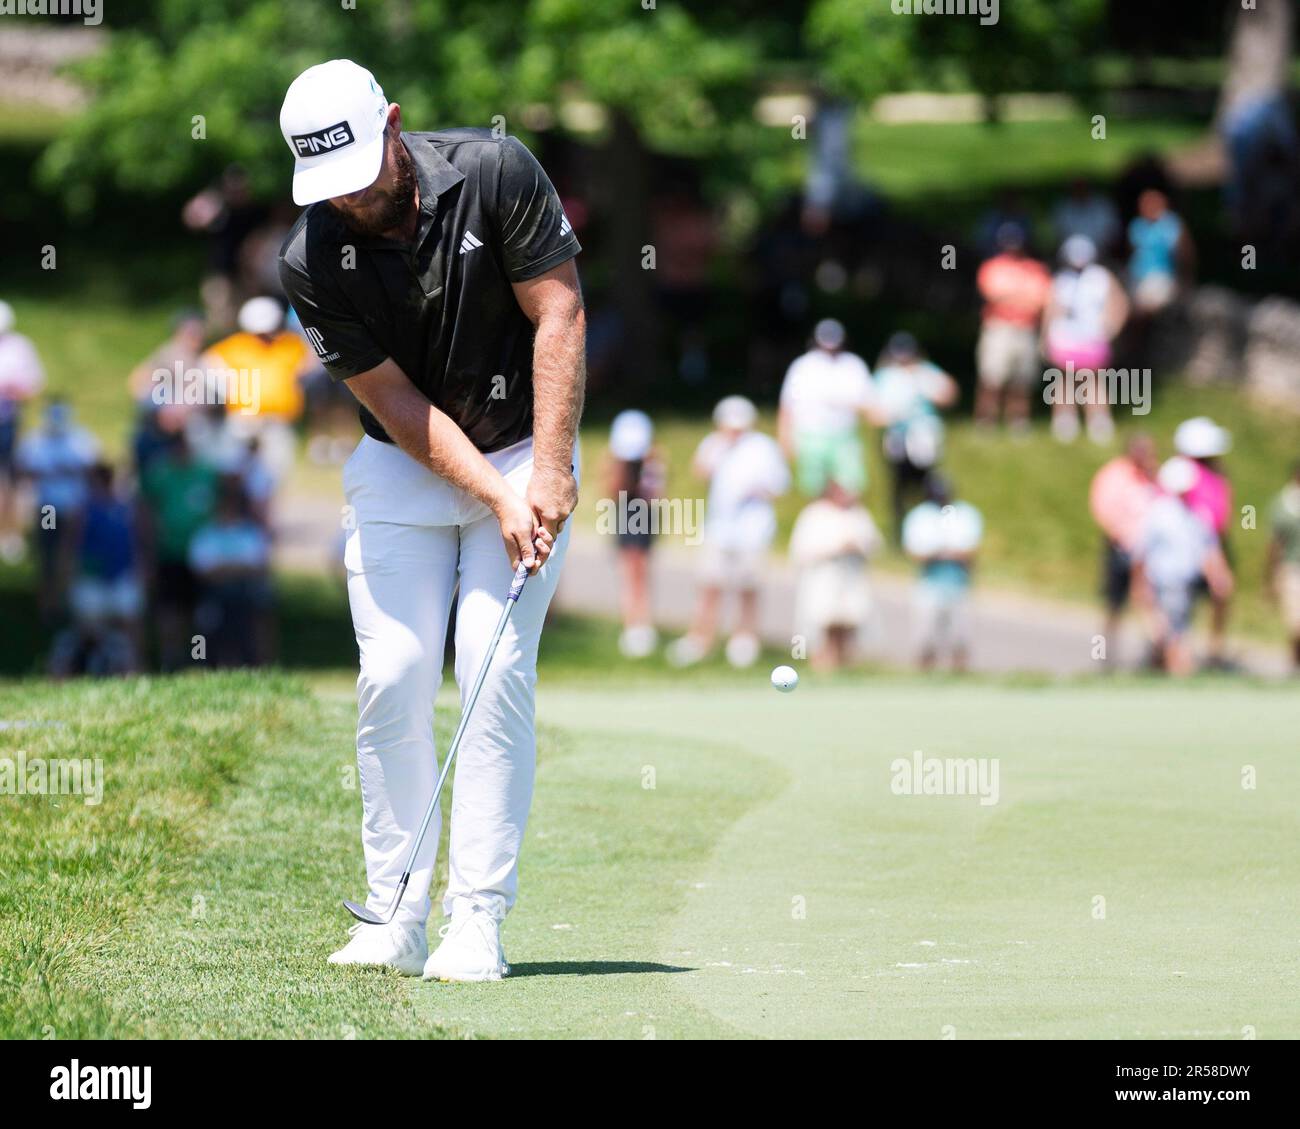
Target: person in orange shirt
x: 1121, y: 493
x: 1015, y: 289
x: 263, y: 365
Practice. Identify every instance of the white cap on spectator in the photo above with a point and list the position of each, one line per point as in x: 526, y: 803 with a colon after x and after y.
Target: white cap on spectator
x: 828, y: 334
x: 1079, y: 251
x: 1177, y: 475
x: 630, y: 435
x: 1201, y: 438
x: 735, y: 412
x: 261, y: 315
x: 333, y: 121
x: 6, y: 317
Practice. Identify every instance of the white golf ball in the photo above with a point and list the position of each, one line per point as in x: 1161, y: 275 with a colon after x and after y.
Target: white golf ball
x: 785, y: 678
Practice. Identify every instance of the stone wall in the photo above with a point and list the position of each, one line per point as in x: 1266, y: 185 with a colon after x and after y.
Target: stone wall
x: 1216, y: 336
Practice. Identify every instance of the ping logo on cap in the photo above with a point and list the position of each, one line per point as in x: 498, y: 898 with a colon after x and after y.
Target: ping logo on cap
x: 322, y: 140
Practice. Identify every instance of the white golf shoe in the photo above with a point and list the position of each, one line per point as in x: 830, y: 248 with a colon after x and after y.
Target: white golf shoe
x: 398, y: 946
x: 470, y: 949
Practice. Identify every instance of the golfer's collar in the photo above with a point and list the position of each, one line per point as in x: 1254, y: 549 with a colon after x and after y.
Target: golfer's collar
x: 433, y: 171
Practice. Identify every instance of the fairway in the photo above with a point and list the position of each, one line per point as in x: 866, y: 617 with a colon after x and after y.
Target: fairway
x: 705, y: 858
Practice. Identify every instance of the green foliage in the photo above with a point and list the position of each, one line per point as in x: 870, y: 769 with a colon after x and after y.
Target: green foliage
x: 867, y: 49
x: 686, y: 90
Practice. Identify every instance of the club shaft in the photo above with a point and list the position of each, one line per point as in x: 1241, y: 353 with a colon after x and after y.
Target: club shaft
x: 516, y: 588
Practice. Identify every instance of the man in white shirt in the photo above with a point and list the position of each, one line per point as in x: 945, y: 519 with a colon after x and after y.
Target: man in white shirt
x: 1174, y: 550
x: 825, y: 393
x: 746, y: 471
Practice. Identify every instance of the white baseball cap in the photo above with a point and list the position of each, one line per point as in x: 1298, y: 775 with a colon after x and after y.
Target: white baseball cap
x: 828, y: 334
x: 736, y: 412
x: 333, y: 121
x: 630, y: 435
x: 1078, y: 252
x: 1201, y: 438
x: 6, y: 317
x: 1177, y: 475
x: 261, y: 315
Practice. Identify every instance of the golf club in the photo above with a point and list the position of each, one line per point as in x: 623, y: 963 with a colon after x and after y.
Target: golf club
x: 360, y: 912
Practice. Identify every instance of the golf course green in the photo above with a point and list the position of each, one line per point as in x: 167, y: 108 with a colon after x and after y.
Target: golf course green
x: 706, y: 857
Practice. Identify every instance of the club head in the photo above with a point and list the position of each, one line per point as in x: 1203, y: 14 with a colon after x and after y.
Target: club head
x: 362, y: 914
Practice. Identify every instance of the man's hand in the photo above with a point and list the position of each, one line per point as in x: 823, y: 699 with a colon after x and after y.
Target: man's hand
x: 524, y: 539
x: 552, y: 495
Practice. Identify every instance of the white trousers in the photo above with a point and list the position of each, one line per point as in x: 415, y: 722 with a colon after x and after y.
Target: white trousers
x: 413, y: 538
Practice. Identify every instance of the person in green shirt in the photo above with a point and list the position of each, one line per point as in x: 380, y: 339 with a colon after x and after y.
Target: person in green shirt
x: 178, y: 495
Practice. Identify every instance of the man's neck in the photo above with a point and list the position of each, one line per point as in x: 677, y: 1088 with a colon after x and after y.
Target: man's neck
x: 406, y: 231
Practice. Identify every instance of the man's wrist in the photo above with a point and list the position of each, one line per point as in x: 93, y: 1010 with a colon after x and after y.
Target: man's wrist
x: 556, y: 466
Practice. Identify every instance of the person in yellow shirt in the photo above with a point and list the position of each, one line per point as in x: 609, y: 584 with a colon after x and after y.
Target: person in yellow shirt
x: 259, y: 371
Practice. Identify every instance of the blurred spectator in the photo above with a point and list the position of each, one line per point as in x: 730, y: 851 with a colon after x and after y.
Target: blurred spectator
x: 21, y: 378
x: 1260, y: 138
x: 226, y: 213
x: 230, y: 558
x: 275, y: 359
x: 943, y: 537
x: 832, y: 541
x: 634, y: 473
x: 177, y: 497
x: 686, y: 239
x: 745, y: 471
x: 825, y: 394
x: 1009, y: 211
x: 1146, y: 171
x: 158, y: 415
x: 1162, y: 253
x: 1085, y: 311
x: 1174, y: 550
x: 909, y: 391
x: 784, y: 258
x: 1122, y: 491
x: 106, y: 596
x: 259, y: 253
x: 1015, y: 290
x: 56, y: 457
x: 1210, y: 498
x: 1089, y: 213
x: 1284, y: 560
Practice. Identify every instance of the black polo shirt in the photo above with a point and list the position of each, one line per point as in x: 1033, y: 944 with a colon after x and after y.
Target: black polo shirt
x: 441, y: 307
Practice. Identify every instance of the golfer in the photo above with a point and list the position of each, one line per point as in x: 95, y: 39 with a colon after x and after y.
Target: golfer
x: 434, y: 273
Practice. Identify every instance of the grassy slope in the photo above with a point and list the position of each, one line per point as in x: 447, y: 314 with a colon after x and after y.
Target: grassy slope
x: 200, y: 898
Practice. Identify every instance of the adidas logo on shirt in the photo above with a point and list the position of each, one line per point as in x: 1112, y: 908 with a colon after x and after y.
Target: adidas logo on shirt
x: 469, y: 241
x: 565, y: 225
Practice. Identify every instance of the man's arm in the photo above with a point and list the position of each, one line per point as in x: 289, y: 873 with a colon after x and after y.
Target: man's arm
x: 553, y: 303
x: 432, y: 438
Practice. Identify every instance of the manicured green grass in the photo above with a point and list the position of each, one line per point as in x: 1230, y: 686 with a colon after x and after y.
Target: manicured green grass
x: 703, y: 859
x: 926, y: 161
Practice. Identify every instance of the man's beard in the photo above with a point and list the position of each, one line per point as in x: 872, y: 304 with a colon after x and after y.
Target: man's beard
x: 392, y: 207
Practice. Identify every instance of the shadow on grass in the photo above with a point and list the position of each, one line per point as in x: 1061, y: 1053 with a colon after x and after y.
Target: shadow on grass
x: 591, y: 968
